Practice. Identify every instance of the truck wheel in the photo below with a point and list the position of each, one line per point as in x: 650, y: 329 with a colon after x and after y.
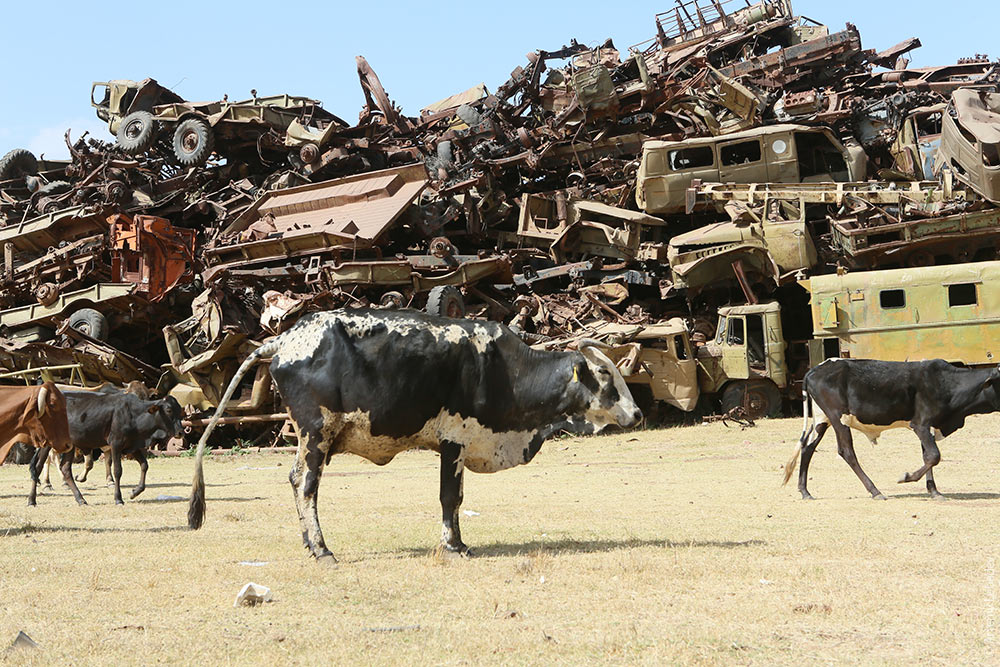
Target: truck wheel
x: 18, y: 163
x: 193, y: 142
x: 392, y: 300
x: 90, y: 322
x: 54, y: 188
x: 446, y: 301
x: 136, y: 133
x: 760, y: 398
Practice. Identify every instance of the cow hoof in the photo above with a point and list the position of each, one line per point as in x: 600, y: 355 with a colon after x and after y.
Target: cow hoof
x: 905, y: 478
x: 119, y: 502
x: 879, y: 496
x: 807, y: 496
x: 448, y: 551
x: 48, y: 487
x: 328, y: 561
x: 938, y: 496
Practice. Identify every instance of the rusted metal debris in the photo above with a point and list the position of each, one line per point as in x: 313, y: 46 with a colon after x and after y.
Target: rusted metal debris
x: 737, y: 150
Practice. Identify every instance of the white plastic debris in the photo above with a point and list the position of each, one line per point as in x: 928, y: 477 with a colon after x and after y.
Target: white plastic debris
x: 252, y: 595
x: 23, y: 641
x: 168, y: 499
x: 470, y: 512
x: 253, y: 563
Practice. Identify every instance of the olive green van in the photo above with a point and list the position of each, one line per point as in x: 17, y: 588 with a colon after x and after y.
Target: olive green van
x: 775, y: 154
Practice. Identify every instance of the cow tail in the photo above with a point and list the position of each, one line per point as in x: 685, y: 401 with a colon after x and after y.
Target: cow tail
x: 196, y: 506
x: 807, y: 429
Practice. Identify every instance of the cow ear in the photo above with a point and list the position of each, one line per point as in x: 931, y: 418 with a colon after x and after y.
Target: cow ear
x: 153, y: 409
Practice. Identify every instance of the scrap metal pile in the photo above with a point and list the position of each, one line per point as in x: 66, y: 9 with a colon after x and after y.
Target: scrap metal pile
x: 738, y: 149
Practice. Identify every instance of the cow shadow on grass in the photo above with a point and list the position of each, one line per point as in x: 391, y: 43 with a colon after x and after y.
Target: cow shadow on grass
x: 974, y: 495
x: 32, y: 529
x: 571, y: 546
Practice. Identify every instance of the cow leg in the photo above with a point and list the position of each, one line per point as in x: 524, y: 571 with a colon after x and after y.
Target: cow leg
x: 116, y: 467
x: 66, y: 467
x: 108, y: 479
x: 47, y: 467
x: 35, y: 469
x: 845, y: 447
x: 807, y: 452
x: 309, y: 461
x: 932, y: 487
x: 88, y: 463
x: 931, y: 456
x: 452, y: 478
x: 140, y: 456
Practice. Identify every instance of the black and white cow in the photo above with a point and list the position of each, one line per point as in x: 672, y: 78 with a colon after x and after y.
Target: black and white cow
x: 378, y: 382
x: 875, y: 396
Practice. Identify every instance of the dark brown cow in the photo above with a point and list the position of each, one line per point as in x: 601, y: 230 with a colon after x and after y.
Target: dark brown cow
x: 34, y: 416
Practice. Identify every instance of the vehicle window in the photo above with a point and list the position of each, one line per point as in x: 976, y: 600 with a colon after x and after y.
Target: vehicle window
x: 892, y: 298
x: 929, y: 125
x: 692, y: 158
x: 654, y: 163
x: 968, y: 136
x: 744, y: 152
x: 991, y: 155
x: 736, y: 336
x: 962, y: 295
x: 818, y: 156
x: 720, y: 336
x: 679, y: 348
x: 755, y: 341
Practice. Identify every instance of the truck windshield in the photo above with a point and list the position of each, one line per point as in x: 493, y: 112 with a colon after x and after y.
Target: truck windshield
x: 736, y: 336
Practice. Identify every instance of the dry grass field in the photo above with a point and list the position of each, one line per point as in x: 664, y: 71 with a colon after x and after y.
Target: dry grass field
x: 671, y: 546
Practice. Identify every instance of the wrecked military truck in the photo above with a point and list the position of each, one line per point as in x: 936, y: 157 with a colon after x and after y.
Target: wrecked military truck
x: 717, y: 167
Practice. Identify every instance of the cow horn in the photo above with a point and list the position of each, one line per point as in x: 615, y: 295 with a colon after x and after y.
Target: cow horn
x: 590, y: 342
x: 43, y: 395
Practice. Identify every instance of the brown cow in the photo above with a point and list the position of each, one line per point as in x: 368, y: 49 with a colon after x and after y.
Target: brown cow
x: 34, y: 416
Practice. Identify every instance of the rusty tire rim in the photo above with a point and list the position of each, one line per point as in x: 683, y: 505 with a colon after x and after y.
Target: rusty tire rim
x: 190, y: 141
x: 309, y: 153
x: 134, y: 128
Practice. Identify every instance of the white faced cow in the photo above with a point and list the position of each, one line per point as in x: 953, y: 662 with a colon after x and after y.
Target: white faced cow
x: 874, y: 396
x: 376, y: 383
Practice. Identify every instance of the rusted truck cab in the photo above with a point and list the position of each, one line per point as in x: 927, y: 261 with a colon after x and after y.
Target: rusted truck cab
x: 746, y: 362
x: 657, y: 361
x: 970, y: 141
x: 774, y: 154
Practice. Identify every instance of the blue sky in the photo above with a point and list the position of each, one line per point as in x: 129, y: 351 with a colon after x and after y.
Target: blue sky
x: 203, y: 50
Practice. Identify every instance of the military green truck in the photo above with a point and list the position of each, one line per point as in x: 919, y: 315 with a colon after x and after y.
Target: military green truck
x: 773, y: 154
x: 140, y: 114
x: 949, y: 312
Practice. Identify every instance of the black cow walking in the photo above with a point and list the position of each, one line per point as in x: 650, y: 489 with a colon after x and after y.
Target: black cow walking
x: 874, y: 396
x: 375, y: 383
x: 120, y: 420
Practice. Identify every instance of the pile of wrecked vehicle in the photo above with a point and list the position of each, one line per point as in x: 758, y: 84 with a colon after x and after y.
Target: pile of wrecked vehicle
x: 738, y: 198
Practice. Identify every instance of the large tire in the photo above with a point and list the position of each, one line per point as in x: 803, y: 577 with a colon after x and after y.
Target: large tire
x: 193, y: 142
x: 18, y: 163
x: 90, y: 322
x: 136, y: 133
x: 54, y: 188
x: 446, y: 301
x: 760, y: 398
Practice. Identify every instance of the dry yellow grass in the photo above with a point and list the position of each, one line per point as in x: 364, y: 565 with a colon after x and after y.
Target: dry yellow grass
x: 672, y: 546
